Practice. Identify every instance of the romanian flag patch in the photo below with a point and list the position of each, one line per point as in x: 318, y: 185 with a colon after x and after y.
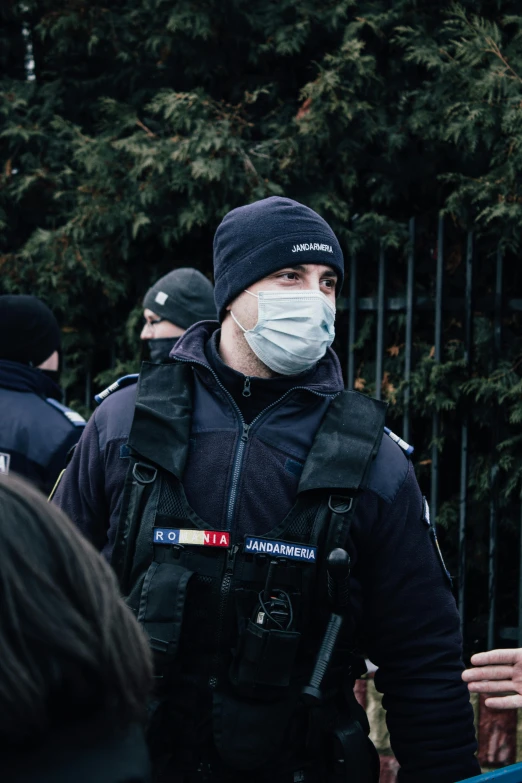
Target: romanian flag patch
x: 171, y: 535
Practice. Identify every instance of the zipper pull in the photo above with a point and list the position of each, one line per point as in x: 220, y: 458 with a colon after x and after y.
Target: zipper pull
x: 246, y: 431
x: 231, y: 557
x: 246, y: 387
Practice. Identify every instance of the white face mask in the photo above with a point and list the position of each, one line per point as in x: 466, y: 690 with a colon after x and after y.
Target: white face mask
x: 294, y: 329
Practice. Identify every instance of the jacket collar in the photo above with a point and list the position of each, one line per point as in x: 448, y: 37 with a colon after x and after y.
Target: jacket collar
x: 325, y: 378
x: 22, y: 378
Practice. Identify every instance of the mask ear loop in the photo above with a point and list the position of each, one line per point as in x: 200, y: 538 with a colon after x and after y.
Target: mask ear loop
x: 237, y: 322
x: 234, y: 317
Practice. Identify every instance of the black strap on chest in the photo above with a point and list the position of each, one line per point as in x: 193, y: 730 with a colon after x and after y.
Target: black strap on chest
x: 341, y: 458
x: 345, y: 445
x: 162, y: 417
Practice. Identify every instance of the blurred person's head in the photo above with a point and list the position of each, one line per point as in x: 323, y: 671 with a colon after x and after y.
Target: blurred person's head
x: 70, y: 649
x: 29, y: 333
x: 173, y: 304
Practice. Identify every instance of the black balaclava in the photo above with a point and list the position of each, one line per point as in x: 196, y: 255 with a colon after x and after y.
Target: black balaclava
x: 29, y: 332
x: 160, y: 348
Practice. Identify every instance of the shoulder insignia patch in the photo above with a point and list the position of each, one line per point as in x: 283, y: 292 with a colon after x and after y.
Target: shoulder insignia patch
x: 426, y: 512
x: 126, y: 380
x: 5, y: 460
x: 75, y: 418
x: 433, y: 535
x: 399, y: 441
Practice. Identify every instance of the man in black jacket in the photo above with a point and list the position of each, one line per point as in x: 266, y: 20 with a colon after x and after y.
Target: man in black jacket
x: 175, y: 302
x: 36, y: 430
x: 219, y: 486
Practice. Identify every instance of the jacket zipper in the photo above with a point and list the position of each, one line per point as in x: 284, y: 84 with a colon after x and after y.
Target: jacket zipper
x: 246, y: 429
x: 224, y: 592
x: 236, y: 473
x: 226, y: 582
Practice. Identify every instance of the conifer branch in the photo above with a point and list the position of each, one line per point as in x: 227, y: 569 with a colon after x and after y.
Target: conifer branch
x: 148, y: 131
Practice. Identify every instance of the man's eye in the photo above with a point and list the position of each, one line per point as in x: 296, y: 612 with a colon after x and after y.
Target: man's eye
x: 329, y: 283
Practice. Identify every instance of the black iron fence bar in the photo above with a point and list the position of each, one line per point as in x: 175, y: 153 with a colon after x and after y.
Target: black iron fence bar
x: 519, y: 634
x: 514, y: 304
x: 352, y: 325
x: 492, y: 557
x: 437, y: 357
x: 493, y: 504
x: 409, y: 330
x: 381, y: 322
x: 464, y: 469
x: 88, y: 389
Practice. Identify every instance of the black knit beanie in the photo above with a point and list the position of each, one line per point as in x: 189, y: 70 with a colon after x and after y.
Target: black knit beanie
x: 254, y: 241
x: 183, y: 297
x: 29, y: 332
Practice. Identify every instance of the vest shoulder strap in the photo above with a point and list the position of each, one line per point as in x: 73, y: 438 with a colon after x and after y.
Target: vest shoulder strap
x: 345, y: 445
x: 160, y: 429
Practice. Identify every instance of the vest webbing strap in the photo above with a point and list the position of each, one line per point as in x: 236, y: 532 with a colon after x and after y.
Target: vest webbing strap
x: 139, y: 477
x: 345, y: 445
x: 342, y: 513
x: 161, y: 426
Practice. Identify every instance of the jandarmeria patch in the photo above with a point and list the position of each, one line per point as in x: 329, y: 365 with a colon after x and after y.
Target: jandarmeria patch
x: 280, y: 549
x: 301, y: 248
x: 171, y: 535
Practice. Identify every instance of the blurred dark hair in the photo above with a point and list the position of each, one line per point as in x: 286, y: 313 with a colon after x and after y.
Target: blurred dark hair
x: 70, y: 649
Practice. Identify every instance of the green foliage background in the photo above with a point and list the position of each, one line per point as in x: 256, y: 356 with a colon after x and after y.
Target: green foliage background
x: 142, y: 122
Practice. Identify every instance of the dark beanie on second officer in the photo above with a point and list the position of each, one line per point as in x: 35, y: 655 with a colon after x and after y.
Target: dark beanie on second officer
x: 29, y: 332
x: 256, y: 240
x: 183, y: 297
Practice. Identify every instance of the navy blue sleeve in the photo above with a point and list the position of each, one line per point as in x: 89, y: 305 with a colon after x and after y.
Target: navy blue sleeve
x: 59, y: 457
x: 81, y: 492
x: 411, y: 631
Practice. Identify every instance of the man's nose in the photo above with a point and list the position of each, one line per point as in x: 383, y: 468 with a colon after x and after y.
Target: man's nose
x: 147, y: 328
x: 312, y: 283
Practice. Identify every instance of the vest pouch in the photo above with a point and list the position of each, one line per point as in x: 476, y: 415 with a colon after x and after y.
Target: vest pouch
x: 355, y: 759
x: 250, y: 734
x: 264, y: 662
x: 161, y: 607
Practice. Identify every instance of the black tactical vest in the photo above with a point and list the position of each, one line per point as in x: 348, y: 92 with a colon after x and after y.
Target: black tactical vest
x: 235, y: 625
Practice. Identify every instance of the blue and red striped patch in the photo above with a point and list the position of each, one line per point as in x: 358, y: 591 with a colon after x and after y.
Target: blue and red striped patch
x: 171, y: 535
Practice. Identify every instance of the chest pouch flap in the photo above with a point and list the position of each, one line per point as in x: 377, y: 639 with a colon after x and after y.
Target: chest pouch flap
x: 162, y: 604
x: 265, y: 661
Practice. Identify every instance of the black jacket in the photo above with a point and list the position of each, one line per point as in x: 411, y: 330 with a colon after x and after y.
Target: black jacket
x: 402, y: 601
x: 36, y: 430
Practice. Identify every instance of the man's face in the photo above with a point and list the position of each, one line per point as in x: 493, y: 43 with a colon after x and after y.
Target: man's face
x: 155, y: 328
x: 52, y: 363
x: 304, y: 277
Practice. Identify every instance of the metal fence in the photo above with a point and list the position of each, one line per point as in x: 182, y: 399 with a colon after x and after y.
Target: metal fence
x: 495, y: 304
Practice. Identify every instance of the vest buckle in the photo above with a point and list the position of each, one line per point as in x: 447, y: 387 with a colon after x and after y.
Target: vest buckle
x: 144, y: 473
x: 339, y: 504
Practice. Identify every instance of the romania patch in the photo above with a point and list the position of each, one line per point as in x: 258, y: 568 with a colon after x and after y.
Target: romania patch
x: 170, y: 535
x: 280, y: 549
